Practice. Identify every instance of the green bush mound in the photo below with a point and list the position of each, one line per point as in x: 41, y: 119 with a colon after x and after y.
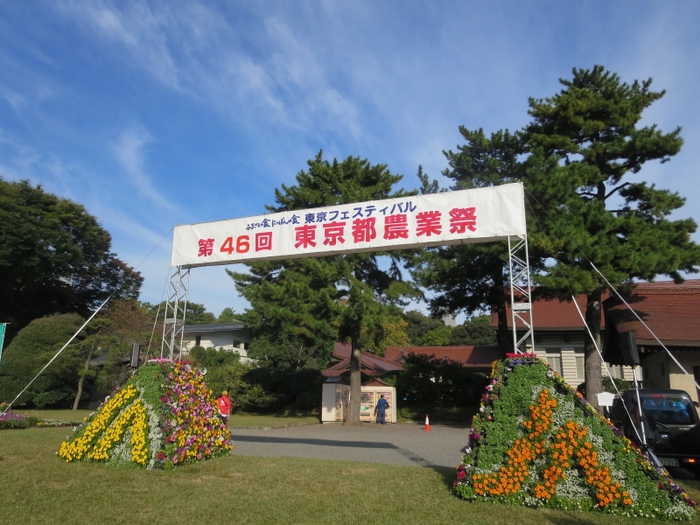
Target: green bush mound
x: 536, y: 442
x: 163, y: 417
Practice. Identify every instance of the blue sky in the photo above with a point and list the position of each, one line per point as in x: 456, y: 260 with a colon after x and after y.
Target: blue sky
x: 157, y: 113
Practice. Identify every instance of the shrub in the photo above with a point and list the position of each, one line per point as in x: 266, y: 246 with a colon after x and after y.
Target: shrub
x: 11, y: 420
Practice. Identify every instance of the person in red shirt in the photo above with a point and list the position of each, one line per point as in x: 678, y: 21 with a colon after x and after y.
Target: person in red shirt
x: 224, y: 406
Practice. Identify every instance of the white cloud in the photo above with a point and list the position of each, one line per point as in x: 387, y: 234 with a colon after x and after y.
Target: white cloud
x: 193, y: 50
x: 15, y: 100
x: 138, y: 27
x: 128, y: 150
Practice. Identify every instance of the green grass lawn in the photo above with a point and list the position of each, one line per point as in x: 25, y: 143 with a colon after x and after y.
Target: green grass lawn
x: 59, y: 415
x: 37, y: 487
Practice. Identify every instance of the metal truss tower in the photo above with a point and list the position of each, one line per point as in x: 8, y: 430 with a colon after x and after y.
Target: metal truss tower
x: 175, y: 311
x: 520, y: 292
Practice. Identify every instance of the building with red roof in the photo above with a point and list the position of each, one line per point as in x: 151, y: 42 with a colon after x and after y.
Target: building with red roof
x: 670, y: 311
x: 477, y: 358
x: 371, y: 365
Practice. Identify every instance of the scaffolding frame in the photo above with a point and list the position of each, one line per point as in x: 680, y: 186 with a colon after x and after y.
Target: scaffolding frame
x: 520, y: 292
x: 175, y: 312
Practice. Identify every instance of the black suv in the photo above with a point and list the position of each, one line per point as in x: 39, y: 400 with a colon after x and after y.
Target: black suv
x: 671, y: 424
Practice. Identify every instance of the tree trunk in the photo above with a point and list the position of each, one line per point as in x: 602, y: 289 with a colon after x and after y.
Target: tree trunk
x: 594, y: 375
x: 355, y: 379
x: 81, y: 381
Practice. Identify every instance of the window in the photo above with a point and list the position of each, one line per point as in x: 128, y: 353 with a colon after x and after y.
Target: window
x: 580, y: 367
x: 554, y: 360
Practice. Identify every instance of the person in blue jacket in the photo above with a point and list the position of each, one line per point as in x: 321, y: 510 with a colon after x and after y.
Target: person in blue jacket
x: 382, y: 405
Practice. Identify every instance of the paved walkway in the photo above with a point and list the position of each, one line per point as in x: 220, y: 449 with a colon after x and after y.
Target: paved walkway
x: 398, y: 444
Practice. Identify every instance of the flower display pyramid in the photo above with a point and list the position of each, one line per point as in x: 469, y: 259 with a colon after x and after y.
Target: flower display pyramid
x: 536, y: 442
x: 163, y: 417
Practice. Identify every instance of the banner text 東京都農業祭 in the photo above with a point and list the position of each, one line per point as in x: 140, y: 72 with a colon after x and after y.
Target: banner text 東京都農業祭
x: 466, y: 216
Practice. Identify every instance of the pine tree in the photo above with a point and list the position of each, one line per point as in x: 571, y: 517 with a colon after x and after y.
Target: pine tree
x: 471, y: 278
x: 582, y: 143
x: 313, y: 302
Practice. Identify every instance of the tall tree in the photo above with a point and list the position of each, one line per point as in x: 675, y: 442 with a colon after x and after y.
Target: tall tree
x: 471, y: 278
x: 319, y: 300
x: 228, y: 315
x: 418, y: 325
x: 293, y: 311
x: 474, y: 331
x: 54, y: 257
x: 582, y: 143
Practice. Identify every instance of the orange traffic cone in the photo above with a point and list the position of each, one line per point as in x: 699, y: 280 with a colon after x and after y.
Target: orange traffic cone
x: 427, y: 423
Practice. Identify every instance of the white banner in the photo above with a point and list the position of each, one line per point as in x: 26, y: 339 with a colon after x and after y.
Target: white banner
x: 458, y: 217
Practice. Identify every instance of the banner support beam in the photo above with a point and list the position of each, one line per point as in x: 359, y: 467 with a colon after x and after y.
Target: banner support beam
x: 520, y: 289
x: 175, y: 312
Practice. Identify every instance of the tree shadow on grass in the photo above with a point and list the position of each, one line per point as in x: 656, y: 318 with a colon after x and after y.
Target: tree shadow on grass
x: 275, y: 440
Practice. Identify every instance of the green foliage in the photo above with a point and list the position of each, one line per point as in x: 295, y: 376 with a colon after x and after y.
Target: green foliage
x: 228, y: 315
x: 292, y: 312
x: 283, y: 352
x: 54, y: 258
x: 438, y: 382
x: 394, y: 333
x: 583, y: 142
x: 470, y: 278
x: 272, y: 389
x: 439, y: 336
x: 195, y: 313
x: 572, y: 159
x: 31, y: 350
x: 301, y: 307
x: 259, y: 389
x: 211, y: 357
x: 419, y: 325
x: 474, y: 332
x: 535, y: 442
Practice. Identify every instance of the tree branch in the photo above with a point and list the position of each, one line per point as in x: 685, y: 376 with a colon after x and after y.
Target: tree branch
x: 616, y: 189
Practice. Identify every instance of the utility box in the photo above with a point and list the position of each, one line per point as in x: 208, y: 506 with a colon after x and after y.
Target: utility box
x: 336, y: 400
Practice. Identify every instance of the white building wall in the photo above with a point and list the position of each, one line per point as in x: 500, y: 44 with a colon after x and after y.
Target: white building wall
x: 228, y: 340
x: 568, y: 350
